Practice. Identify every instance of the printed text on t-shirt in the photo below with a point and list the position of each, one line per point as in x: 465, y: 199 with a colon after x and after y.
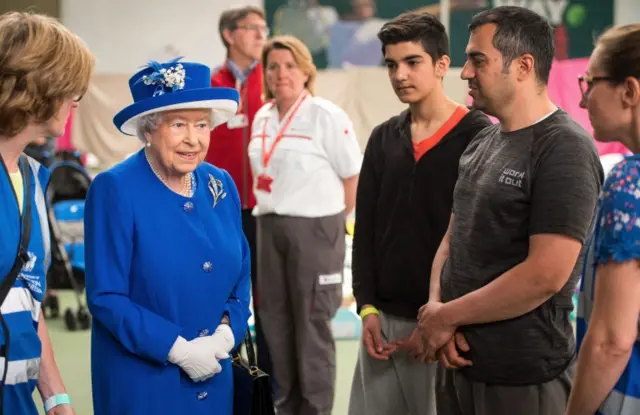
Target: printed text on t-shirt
x: 511, y: 177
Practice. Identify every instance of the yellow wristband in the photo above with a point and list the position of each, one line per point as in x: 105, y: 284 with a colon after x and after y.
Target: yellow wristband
x: 369, y: 310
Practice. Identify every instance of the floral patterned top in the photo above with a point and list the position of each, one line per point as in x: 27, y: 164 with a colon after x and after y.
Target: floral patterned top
x: 619, y: 221
x: 616, y: 238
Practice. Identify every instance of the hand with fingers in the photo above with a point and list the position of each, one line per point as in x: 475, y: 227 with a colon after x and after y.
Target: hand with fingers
x: 436, y: 331
x: 414, y: 346
x: 198, y: 362
x: 372, y: 338
x: 450, y: 354
x: 200, y: 358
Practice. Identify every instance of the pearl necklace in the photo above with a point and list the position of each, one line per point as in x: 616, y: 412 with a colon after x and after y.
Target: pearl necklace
x: 186, y: 182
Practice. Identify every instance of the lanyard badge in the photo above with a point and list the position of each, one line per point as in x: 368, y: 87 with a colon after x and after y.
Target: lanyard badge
x: 264, y: 181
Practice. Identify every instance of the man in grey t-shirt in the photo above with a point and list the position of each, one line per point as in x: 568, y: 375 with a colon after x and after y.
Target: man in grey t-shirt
x: 498, y: 316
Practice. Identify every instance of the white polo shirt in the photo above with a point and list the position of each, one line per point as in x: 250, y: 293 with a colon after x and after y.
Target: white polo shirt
x: 298, y: 170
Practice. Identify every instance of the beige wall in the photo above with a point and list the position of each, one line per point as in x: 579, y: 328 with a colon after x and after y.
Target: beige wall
x: 49, y: 7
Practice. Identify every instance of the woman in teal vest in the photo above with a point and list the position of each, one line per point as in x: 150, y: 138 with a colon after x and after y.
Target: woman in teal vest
x: 44, y: 71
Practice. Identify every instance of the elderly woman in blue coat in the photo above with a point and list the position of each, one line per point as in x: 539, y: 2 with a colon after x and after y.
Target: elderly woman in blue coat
x: 167, y: 263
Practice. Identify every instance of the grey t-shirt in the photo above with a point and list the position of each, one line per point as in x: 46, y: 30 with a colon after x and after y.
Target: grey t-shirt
x: 545, y: 178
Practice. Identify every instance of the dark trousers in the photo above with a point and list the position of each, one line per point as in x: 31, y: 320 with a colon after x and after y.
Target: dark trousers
x: 249, y: 228
x: 301, y: 262
x: 457, y: 395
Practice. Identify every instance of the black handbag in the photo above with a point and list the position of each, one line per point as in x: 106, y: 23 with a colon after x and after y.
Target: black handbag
x: 252, y: 392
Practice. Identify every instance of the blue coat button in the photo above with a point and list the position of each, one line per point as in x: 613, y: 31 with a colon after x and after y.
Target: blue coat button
x: 207, y: 266
x: 203, y: 332
x: 202, y: 396
x: 188, y: 206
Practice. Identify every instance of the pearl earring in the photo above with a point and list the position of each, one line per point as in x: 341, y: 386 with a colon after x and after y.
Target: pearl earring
x: 148, y: 144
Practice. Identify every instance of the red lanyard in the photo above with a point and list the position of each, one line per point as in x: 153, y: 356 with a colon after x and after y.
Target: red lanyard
x: 266, y: 155
x: 241, y: 92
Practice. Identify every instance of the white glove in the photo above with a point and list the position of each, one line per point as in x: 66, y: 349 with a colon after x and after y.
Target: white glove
x: 198, y: 363
x: 221, y: 342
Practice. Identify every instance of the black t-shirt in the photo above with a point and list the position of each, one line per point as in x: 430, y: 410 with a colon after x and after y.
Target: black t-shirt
x: 545, y: 178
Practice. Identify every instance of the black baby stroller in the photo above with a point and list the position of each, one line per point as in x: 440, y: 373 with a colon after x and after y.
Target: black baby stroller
x: 66, y: 195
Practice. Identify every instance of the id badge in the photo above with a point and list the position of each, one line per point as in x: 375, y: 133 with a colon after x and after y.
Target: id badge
x: 264, y: 183
x: 238, y: 121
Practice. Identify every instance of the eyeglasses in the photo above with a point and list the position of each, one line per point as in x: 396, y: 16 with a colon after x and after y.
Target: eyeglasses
x: 263, y: 30
x: 587, y: 82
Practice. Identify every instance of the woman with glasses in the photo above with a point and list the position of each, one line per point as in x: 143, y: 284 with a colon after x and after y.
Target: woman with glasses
x: 608, y: 372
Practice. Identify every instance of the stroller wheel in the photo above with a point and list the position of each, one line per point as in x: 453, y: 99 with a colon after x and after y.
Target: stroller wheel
x: 53, y: 305
x: 70, y: 320
x: 84, y: 318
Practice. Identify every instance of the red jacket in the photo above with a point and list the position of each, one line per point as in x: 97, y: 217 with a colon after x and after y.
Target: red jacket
x: 228, y: 147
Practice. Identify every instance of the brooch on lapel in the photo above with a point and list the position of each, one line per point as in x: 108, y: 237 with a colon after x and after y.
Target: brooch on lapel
x: 215, y: 187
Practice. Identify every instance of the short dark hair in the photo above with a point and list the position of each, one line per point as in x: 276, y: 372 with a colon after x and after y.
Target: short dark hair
x: 520, y: 31
x: 620, y: 52
x: 229, y: 19
x: 417, y: 27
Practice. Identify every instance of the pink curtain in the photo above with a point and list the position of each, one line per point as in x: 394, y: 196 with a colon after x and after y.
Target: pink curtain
x: 64, y: 142
x: 565, y: 93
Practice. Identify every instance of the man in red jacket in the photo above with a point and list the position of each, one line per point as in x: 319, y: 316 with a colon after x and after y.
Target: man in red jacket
x: 243, y: 32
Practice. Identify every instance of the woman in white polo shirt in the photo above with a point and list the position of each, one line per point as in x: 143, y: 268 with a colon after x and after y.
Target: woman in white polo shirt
x: 305, y: 160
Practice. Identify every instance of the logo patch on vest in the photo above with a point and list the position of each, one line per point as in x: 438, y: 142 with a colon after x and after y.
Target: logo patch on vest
x: 32, y: 281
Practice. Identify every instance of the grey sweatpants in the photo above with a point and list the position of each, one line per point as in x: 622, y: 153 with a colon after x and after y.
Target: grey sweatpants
x: 457, y: 395
x: 300, y: 263
x: 398, y: 386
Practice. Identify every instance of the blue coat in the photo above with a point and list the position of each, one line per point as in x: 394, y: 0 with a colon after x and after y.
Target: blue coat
x: 160, y: 265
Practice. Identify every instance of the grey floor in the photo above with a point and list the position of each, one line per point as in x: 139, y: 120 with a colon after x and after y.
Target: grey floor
x: 72, y: 354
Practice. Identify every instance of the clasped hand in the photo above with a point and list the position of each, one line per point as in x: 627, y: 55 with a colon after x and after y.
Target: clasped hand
x: 200, y: 357
x: 435, y: 330
x: 433, y: 339
x: 441, y: 341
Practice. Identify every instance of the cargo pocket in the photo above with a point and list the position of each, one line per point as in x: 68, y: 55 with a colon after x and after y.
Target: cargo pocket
x: 330, y: 230
x: 327, y: 296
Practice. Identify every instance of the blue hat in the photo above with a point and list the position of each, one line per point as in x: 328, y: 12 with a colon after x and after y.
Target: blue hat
x: 175, y: 86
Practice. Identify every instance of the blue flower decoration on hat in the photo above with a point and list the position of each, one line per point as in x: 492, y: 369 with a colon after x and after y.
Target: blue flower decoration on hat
x: 175, y: 85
